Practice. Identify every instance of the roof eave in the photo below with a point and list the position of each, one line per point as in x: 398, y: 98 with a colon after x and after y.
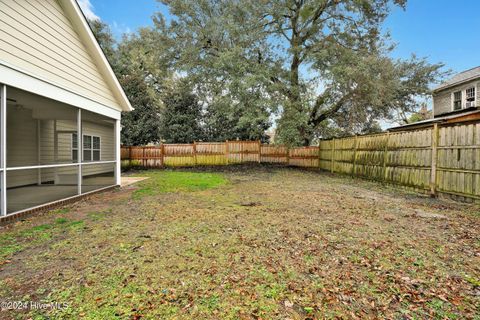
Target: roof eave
x: 441, y: 88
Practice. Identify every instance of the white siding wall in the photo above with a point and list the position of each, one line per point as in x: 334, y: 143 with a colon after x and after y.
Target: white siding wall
x: 35, y: 35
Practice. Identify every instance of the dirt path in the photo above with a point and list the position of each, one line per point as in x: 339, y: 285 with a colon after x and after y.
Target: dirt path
x: 268, y: 244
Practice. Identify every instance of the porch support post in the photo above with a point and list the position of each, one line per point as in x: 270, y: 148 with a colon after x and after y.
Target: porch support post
x: 117, y: 153
x: 39, y: 141
x: 3, y: 149
x: 79, y: 150
x: 55, y: 149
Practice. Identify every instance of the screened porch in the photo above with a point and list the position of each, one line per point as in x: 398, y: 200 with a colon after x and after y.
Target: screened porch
x: 52, y: 151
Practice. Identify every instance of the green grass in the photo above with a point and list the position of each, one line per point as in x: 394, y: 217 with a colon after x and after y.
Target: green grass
x: 177, y: 181
x: 18, y: 241
x: 309, y: 249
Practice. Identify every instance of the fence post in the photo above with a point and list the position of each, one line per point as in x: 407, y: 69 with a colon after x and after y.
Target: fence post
x: 227, y: 155
x: 354, y: 154
x: 333, y: 156
x: 259, y: 151
x: 319, y: 154
x: 162, y: 154
x: 288, y: 156
x: 129, y: 156
x: 194, y: 153
x: 433, y: 176
x: 385, y: 156
x: 144, y: 162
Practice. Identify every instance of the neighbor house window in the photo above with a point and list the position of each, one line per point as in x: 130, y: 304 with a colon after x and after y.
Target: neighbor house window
x: 74, y: 147
x: 470, y: 96
x: 457, y: 100
x: 91, y: 148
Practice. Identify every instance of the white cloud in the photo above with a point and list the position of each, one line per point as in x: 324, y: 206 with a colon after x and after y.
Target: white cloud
x: 120, y: 29
x: 87, y: 9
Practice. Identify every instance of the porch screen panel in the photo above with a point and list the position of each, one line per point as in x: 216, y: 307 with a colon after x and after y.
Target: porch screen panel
x: 39, y: 130
x: 97, y: 175
x: 98, y: 137
x: 52, y: 184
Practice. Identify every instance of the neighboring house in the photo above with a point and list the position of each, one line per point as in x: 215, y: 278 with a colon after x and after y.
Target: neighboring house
x: 60, y: 106
x: 459, y: 94
x: 457, y: 100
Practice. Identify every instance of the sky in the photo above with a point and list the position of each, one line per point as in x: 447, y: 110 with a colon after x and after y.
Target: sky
x: 441, y: 30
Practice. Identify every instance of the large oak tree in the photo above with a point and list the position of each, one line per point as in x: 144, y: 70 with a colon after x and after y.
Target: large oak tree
x: 316, y: 63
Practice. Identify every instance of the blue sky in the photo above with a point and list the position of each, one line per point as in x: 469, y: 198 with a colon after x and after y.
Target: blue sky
x: 441, y: 30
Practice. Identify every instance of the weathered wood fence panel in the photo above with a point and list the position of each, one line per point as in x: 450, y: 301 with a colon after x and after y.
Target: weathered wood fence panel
x: 303, y: 157
x: 210, y: 153
x: 273, y: 154
x: 443, y: 159
x: 243, y: 151
x: 408, y: 158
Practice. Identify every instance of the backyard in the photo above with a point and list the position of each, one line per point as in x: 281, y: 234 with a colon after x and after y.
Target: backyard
x: 246, y: 242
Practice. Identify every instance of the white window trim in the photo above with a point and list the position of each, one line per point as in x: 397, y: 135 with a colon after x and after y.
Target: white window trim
x: 474, y: 87
x: 92, y: 149
x: 463, y: 92
x: 72, y: 148
x: 462, y: 95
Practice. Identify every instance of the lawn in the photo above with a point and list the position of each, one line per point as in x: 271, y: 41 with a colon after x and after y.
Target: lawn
x: 247, y: 242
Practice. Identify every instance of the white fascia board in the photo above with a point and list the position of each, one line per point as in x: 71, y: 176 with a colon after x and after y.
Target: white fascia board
x: 12, y: 76
x: 80, y: 23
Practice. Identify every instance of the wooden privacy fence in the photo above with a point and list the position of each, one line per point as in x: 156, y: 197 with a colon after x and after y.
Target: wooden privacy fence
x: 443, y: 159
x: 217, y: 153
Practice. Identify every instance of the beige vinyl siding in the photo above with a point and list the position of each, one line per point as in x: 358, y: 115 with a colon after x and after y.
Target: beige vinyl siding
x: 36, y: 36
x: 22, y: 147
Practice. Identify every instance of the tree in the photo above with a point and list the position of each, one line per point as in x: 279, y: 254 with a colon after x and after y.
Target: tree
x: 181, y: 116
x: 312, y: 61
x: 105, y: 39
x: 139, y: 75
x: 142, y: 125
x: 420, y: 115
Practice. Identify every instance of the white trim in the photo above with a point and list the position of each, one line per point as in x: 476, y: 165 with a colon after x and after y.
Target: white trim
x: 60, y: 165
x: 474, y: 87
x: 79, y: 147
x: 16, y: 77
x: 80, y: 23
x: 452, y: 105
x: 3, y: 149
x: 118, y: 175
x: 92, y: 149
x: 97, y: 162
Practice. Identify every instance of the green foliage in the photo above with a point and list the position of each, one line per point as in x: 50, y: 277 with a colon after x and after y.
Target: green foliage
x: 320, y: 68
x: 309, y: 62
x: 139, y: 76
x: 178, y: 181
x: 181, y: 116
x: 142, y: 125
x: 229, y: 120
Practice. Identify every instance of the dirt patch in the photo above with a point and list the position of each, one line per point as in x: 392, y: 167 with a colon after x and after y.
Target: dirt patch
x: 279, y: 243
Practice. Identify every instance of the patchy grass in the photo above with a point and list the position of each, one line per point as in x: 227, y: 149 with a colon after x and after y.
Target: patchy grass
x: 177, y: 181
x: 247, y: 243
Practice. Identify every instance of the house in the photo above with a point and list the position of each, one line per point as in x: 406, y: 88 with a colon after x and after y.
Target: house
x: 457, y: 100
x: 60, y: 107
x: 458, y: 95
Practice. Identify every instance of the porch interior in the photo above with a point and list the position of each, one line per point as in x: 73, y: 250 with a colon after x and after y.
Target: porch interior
x: 44, y: 132
x: 25, y: 197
